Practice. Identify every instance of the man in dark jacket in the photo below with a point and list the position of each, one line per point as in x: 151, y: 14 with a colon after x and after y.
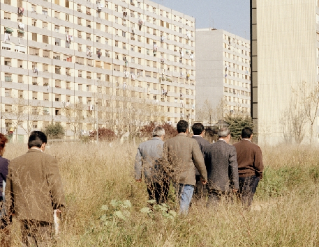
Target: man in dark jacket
x: 250, y: 166
x: 222, y: 168
x: 199, y: 133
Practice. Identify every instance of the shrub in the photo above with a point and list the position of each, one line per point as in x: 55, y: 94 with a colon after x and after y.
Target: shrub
x: 147, y: 130
x: 237, y: 123
x: 54, y: 131
x: 104, y: 134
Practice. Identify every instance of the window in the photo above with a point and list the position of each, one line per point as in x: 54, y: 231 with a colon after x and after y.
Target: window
x: 7, y: 61
x: 45, y: 11
x: 45, y: 39
x: 57, y: 41
x: 46, y: 53
x: 7, y: 15
x: 34, y: 51
x: 8, y: 77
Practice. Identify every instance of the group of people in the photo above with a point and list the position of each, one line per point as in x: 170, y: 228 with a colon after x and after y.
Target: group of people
x: 33, y: 192
x: 212, y: 171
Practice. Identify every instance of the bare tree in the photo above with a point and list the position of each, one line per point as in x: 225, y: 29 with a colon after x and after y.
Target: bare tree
x: 209, y: 114
x: 74, y: 116
x: 23, y: 115
x: 294, y: 118
x: 310, y: 101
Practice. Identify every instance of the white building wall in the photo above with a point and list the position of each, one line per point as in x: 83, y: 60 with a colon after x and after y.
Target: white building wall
x: 222, y: 72
x: 286, y: 49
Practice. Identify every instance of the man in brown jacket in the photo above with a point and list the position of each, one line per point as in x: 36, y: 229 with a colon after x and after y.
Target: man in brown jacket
x: 182, y: 155
x: 250, y: 166
x: 34, y: 191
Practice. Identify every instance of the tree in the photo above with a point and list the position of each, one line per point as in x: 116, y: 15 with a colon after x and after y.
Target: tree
x: 74, y: 116
x: 54, y: 131
x: 310, y: 102
x: 23, y: 115
x: 104, y: 134
x: 293, y: 120
x: 237, y: 123
x: 302, y: 108
x: 147, y: 130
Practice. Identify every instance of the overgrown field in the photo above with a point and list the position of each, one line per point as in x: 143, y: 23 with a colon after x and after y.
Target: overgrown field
x: 104, y: 203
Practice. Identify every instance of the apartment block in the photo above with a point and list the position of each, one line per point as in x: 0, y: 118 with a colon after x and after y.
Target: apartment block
x: 94, y: 63
x: 285, y: 55
x: 222, y: 74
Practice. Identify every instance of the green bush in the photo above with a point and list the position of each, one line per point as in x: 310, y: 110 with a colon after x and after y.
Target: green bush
x: 237, y: 123
x: 54, y: 131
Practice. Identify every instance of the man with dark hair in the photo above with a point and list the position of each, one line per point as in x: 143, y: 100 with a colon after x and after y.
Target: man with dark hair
x: 250, y: 166
x: 199, y: 133
x: 222, y: 168
x: 34, y: 190
x: 182, y: 154
x: 148, y: 161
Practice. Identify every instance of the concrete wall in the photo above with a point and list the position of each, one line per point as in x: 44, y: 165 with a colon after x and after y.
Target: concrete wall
x: 209, y: 67
x: 286, y: 34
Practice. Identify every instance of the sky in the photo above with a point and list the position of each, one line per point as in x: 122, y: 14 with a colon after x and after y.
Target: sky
x: 230, y: 15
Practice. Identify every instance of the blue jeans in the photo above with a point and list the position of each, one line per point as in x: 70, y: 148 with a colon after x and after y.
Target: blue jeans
x: 185, y: 194
x: 247, y: 189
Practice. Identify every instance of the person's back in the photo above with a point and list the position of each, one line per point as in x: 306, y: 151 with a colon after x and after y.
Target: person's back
x: 199, y: 134
x: 149, y: 154
x: 222, y: 168
x: 34, y: 179
x: 220, y: 156
x: 34, y: 191
x: 181, y: 151
x: 250, y: 166
x: 182, y: 154
x: 148, y: 160
x: 249, y: 158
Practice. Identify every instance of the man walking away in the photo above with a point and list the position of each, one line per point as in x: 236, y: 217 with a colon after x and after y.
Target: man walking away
x: 250, y: 166
x: 222, y: 168
x: 182, y: 154
x: 199, y: 133
x: 148, y: 161
x: 34, y: 191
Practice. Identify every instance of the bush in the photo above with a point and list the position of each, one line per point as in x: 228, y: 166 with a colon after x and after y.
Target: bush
x: 147, y: 130
x: 104, y: 134
x: 237, y: 123
x: 54, y: 131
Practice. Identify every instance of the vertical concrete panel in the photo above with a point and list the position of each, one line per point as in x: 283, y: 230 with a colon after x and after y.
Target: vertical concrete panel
x: 286, y: 57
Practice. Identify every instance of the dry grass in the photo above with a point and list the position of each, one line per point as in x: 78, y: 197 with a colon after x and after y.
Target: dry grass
x: 285, y: 211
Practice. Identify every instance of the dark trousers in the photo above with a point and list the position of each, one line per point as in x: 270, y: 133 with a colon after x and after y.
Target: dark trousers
x: 216, y: 196
x: 200, y: 190
x: 247, y: 189
x: 36, y: 233
x: 158, y: 191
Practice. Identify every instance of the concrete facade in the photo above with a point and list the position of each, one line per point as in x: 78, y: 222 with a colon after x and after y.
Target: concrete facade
x: 285, y: 42
x: 94, y: 63
x: 222, y: 72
